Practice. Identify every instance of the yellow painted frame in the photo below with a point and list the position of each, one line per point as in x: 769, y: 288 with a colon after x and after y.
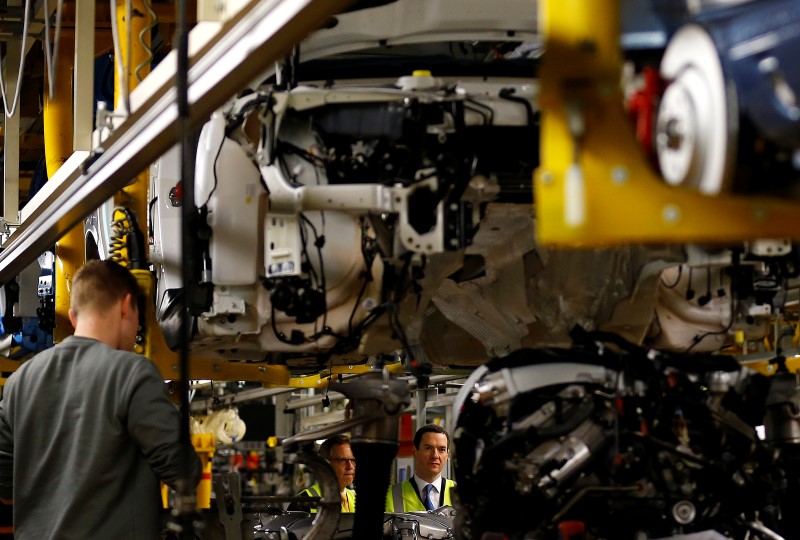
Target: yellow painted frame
x: 624, y: 199
x: 321, y: 379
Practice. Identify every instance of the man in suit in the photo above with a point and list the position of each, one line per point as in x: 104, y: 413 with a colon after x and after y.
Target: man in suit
x: 427, y: 489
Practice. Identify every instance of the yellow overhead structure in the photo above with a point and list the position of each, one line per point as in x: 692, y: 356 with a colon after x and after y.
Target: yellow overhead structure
x: 594, y: 186
x: 58, y: 146
x: 134, y: 46
x: 321, y: 379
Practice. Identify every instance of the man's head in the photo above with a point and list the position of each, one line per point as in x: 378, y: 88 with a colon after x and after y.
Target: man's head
x: 103, y: 303
x: 431, y: 447
x: 338, y: 452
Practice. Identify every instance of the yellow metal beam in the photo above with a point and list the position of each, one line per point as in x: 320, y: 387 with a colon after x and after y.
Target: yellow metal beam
x: 136, y: 66
x: 8, y: 366
x: 320, y: 380
x: 767, y: 367
x: 58, y: 146
x: 597, y: 188
x: 223, y: 370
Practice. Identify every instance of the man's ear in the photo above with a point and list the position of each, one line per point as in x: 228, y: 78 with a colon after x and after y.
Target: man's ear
x: 73, y: 318
x: 127, y: 305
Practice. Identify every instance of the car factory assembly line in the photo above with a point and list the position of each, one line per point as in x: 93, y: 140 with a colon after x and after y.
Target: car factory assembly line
x: 585, y: 211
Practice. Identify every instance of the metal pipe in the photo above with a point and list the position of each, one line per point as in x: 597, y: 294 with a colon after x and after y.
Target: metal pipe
x: 58, y: 146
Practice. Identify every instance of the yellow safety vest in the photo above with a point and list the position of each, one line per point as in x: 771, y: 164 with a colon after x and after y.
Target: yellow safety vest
x: 314, y: 491
x: 404, y: 497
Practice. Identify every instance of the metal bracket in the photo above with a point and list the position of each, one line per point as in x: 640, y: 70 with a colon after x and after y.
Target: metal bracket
x: 229, y: 505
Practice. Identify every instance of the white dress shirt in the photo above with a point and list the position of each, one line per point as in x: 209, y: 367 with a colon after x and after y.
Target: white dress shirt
x: 435, y: 495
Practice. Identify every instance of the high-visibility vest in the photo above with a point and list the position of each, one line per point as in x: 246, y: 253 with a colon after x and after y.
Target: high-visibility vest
x: 314, y: 491
x: 404, y: 497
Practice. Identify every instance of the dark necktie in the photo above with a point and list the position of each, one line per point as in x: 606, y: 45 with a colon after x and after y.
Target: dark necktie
x: 428, y: 502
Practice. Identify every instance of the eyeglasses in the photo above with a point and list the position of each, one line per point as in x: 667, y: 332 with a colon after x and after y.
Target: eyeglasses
x: 344, y: 460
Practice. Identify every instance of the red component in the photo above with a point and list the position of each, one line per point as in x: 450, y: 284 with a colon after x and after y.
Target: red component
x: 643, y: 426
x: 672, y: 382
x: 620, y: 404
x: 642, y: 108
x: 406, y: 436
x: 572, y: 530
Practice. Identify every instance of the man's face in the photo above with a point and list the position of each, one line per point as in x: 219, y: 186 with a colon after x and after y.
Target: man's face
x: 344, y: 464
x: 129, y: 324
x: 430, y: 457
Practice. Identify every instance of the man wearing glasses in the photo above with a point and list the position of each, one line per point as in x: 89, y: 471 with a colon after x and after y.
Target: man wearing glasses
x: 337, y: 452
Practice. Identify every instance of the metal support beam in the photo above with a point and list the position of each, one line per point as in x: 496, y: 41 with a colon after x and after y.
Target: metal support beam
x: 83, y: 78
x: 247, y: 45
x: 11, y: 136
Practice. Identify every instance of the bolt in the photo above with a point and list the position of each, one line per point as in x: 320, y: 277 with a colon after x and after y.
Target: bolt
x: 675, y: 132
x: 547, y: 177
x: 262, y: 369
x: 768, y: 65
x: 671, y: 213
x: 760, y: 214
x: 619, y: 174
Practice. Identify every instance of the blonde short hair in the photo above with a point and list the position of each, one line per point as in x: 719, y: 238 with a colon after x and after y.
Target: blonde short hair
x: 99, y: 284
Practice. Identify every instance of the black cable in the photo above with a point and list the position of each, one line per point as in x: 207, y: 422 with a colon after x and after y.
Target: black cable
x: 508, y: 94
x: 367, y: 252
x: 236, y: 120
x: 721, y: 289
x: 393, y: 308
x: 319, y: 242
x: 186, y: 506
x: 280, y: 335
x: 214, y: 172
x: 289, y: 148
x: 697, y: 339
x: 488, y: 116
x: 150, y: 217
x: 706, y: 298
x: 312, y: 273
x: 134, y: 242
x: 657, y: 321
x: 677, y: 280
